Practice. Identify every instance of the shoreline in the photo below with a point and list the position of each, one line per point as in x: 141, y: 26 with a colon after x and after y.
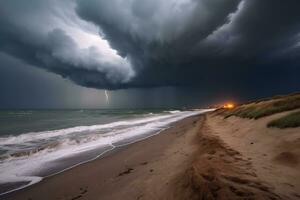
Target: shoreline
x: 199, y: 157
x: 111, y: 152
x: 114, y: 149
x: 71, y: 151
x: 70, y: 162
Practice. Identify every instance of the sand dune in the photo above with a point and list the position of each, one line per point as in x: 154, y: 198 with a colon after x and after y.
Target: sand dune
x: 274, y: 153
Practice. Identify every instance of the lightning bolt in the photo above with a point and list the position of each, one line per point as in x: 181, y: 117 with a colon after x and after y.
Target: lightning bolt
x: 106, y: 95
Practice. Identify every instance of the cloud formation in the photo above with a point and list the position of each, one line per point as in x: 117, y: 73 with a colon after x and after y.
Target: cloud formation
x: 50, y: 35
x: 151, y: 43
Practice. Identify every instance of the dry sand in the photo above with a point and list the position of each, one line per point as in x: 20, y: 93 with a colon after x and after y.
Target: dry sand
x: 274, y: 154
x: 202, y: 157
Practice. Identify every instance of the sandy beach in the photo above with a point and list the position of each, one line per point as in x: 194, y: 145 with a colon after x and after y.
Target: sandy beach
x: 201, y: 157
x: 149, y: 100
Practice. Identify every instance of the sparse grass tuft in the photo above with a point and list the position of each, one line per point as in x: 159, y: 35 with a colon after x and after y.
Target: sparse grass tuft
x: 288, y: 121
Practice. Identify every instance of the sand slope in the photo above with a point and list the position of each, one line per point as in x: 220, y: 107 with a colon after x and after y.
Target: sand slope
x: 221, y: 172
x: 274, y: 154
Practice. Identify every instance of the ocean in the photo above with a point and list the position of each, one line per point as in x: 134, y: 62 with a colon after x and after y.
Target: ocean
x: 39, y: 143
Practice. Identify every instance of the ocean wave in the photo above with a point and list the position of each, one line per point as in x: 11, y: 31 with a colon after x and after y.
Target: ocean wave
x: 173, y: 111
x: 30, y: 152
x: 20, y: 113
x: 33, y: 136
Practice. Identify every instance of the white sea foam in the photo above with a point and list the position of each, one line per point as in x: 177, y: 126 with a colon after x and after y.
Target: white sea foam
x: 78, y: 140
x: 174, y: 111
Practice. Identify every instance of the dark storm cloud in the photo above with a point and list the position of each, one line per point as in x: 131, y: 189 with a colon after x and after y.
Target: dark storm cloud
x: 200, y: 42
x: 161, y: 42
x: 36, y: 32
x: 260, y: 28
x: 208, y: 43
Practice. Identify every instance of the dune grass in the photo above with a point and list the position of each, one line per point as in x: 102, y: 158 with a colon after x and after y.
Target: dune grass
x: 288, y: 121
x: 266, y: 107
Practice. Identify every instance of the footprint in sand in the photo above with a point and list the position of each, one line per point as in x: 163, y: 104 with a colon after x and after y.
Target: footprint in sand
x: 297, y: 195
x: 212, y: 152
x: 287, y: 158
x: 209, y: 157
x: 240, y: 193
x: 208, y: 177
x: 237, y: 179
x: 128, y: 171
x: 77, y: 197
x: 83, y: 190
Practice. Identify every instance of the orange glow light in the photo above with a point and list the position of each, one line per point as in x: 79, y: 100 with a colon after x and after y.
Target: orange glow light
x: 228, y: 106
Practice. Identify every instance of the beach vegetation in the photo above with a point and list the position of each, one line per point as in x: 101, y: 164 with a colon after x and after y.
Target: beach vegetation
x: 288, y: 121
x: 265, y: 107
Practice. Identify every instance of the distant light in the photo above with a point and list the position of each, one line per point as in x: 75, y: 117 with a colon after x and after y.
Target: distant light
x: 229, y: 106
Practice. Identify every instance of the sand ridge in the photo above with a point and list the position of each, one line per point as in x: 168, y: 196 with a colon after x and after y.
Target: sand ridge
x: 220, y: 172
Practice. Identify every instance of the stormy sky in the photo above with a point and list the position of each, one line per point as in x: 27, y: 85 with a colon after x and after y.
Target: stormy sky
x: 147, y: 53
